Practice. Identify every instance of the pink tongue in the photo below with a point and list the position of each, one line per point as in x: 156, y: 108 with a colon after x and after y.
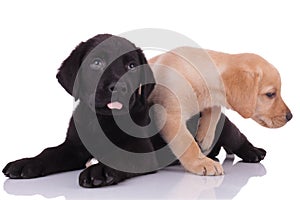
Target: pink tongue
x: 115, y: 105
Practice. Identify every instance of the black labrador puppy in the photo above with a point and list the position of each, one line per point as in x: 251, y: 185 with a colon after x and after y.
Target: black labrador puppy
x: 95, y: 73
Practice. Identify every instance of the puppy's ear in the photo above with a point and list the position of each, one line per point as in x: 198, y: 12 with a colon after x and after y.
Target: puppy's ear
x: 242, y: 91
x: 68, y: 71
x: 147, y: 77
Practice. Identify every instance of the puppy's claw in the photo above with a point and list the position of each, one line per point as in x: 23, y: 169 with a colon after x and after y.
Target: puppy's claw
x: 220, y: 170
x: 85, y: 183
x: 109, y: 179
x: 97, y: 182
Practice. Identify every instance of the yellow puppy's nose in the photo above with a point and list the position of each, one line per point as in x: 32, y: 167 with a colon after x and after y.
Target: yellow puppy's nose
x: 289, y: 116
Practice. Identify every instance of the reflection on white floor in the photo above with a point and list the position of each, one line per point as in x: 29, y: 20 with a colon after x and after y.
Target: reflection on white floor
x: 170, y: 183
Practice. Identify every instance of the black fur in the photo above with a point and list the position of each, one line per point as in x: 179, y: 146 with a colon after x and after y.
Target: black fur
x: 235, y: 142
x: 72, y: 154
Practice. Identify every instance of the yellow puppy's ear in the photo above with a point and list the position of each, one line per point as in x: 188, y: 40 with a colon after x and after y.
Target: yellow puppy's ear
x: 242, y: 91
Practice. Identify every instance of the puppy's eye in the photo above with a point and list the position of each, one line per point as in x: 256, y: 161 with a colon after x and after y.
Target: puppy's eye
x: 271, y: 95
x: 98, y: 63
x: 131, y: 65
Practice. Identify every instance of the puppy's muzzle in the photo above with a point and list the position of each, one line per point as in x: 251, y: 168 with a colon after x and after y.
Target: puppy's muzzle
x: 120, y: 88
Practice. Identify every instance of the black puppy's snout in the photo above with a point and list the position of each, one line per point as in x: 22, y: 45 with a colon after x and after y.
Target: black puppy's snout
x: 289, y: 116
x: 120, y: 87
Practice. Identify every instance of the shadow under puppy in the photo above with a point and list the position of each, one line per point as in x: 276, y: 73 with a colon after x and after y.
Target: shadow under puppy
x: 93, y: 74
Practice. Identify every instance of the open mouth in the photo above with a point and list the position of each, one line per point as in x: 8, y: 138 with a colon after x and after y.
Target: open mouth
x: 115, y: 105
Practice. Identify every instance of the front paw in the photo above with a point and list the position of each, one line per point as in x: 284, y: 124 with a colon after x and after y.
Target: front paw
x: 250, y: 153
x: 204, y: 167
x: 99, y: 175
x: 24, y: 169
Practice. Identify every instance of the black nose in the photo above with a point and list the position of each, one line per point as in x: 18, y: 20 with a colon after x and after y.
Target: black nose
x: 119, y: 87
x: 289, y: 116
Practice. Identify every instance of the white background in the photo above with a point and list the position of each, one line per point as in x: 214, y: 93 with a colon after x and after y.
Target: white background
x: 36, y: 36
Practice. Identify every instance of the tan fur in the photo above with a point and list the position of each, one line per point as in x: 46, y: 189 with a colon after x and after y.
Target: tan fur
x: 192, y: 80
x: 209, y: 121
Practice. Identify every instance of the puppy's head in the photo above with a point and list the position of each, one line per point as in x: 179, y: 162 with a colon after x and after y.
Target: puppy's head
x: 107, y: 72
x: 253, y: 89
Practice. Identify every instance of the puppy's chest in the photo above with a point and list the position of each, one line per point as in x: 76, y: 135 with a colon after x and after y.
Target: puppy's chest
x: 198, y: 100
x: 118, y: 129
x: 202, y: 94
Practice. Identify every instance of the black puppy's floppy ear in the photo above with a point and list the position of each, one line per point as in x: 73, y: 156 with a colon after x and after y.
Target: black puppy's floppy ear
x: 68, y: 71
x: 147, y: 77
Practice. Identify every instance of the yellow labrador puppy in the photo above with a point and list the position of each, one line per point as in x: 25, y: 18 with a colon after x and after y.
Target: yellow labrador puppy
x: 192, y: 80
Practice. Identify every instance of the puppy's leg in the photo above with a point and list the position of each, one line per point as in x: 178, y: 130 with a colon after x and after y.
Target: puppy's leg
x: 236, y: 142
x: 186, y: 149
x: 71, y: 155
x: 100, y: 175
x: 207, y: 127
